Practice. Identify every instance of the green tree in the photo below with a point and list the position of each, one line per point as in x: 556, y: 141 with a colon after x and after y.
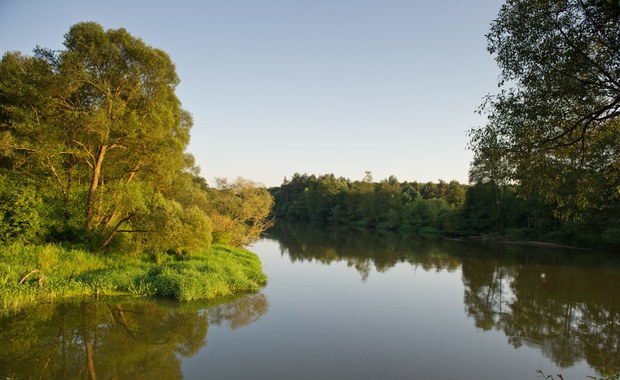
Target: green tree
x: 385, y: 205
x: 556, y: 119
x: 99, y: 128
x: 124, y: 90
x: 21, y: 212
x: 240, y: 211
x: 492, y: 166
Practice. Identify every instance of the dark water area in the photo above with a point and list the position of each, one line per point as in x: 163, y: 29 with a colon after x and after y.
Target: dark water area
x: 344, y: 304
x: 115, y: 338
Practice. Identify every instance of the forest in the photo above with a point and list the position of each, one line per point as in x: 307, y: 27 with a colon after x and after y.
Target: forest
x: 479, y: 210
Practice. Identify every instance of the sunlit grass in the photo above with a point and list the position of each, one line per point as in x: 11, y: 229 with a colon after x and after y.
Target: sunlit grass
x: 30, y: 274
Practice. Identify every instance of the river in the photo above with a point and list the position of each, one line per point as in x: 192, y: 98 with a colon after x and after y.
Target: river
x: 342, y: 304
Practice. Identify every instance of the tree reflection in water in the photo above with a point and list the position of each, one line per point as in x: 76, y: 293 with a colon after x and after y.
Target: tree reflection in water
x: 128, y: 338
x: 570, y: 312
x: 565, y: 303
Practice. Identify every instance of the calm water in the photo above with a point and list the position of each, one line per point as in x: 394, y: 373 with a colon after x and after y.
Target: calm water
x: 346, y: 305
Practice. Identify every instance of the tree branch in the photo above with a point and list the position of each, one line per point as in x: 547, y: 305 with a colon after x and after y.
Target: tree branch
x: 62, y: 188
x: 113, y: 232
x: 584, y: 123
x: 28, y: 275
x: 85, y: 149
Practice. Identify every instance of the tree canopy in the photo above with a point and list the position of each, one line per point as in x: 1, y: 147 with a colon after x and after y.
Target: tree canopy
x: 554, y: 127
x: 384, y: 205
x: 98, y: 137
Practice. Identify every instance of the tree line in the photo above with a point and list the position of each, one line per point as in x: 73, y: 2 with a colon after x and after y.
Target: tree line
x: 388, y: 204
x: 93, y: 151
x: 441, y: 208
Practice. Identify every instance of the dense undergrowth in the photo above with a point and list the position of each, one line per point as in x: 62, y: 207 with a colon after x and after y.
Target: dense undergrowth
x: 30, y: 274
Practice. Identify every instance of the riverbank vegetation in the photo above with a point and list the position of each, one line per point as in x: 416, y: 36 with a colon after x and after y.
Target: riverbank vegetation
x: 32, y: 274
x: 437, y: 209
x: 384, y: 205
x: 94, y: 172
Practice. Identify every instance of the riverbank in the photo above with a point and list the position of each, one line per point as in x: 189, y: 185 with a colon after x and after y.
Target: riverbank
x: 31, y: 274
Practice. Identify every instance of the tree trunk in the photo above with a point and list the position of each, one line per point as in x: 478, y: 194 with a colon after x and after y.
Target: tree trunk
x: 93, y: 190
x: 114, y: 214
x: 112, y: 233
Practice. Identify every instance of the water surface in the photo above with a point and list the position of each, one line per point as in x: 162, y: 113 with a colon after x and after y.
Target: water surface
x: 347, y: 305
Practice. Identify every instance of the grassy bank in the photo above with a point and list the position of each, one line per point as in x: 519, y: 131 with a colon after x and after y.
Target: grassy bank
x: 30, y: 274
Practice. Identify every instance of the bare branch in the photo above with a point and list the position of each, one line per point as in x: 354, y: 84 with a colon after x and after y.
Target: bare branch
x: 62, y: 188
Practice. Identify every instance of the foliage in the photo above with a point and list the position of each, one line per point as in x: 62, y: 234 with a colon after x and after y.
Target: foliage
x: 240, y: 211
x: 92, y: 150
x: 99, y: 127
x: 485, y: 208
x: 610, y: 376
x: 554, y: 126
x: 21, y: 212
x: 385, y: 205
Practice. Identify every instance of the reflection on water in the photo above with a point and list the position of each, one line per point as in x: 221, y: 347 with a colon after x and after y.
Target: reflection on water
x: 564, y: 303
x: 325, y: 321
x: 114, y: 338
x: 359, y: 249
x: 571, y: 313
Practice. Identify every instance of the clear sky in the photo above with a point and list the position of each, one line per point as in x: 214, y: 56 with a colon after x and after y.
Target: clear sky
x: 310, y: 86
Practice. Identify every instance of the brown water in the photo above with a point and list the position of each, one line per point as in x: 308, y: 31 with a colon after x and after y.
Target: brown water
x: 347, y: 305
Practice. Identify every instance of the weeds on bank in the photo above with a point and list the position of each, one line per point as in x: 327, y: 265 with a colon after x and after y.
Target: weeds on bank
x: 607, y: 375
x: 608, y: 370
x: 31, y: 274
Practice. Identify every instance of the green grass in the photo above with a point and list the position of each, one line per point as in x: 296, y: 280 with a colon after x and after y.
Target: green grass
x: 58, y: 272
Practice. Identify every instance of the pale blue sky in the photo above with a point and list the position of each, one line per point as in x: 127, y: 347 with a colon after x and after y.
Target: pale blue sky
x: 309, y: 86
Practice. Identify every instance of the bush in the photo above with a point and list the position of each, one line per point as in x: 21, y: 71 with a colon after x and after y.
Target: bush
x: 20, y: 212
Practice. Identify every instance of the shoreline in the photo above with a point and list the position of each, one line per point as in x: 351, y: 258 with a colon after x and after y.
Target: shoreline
x: 62, y: 273
x: 542, y: 244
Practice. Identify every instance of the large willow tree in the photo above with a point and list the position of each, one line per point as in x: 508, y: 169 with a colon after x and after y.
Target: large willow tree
x: 98, y: 130
x: 554, y: 127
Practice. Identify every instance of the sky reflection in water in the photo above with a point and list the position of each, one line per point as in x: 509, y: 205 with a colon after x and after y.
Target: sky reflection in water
x: 346, y: 305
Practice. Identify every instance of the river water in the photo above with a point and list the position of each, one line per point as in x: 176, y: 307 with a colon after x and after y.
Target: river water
x: 342, y: 304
